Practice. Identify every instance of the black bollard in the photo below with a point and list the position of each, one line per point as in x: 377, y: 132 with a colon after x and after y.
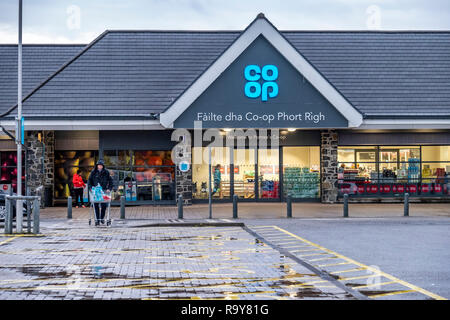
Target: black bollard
x: 122, y: 207
x: 180, y: 207
x: 289, y: 206
x: 345, y: 205
x: 69, y: 207
x: 406, y: 205
x: 235, y: 206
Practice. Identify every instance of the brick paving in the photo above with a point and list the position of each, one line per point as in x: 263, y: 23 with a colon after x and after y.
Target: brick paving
x: 262, y: 210
x: 79, y: 262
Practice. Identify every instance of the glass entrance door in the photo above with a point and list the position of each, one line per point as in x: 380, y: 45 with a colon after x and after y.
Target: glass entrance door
x: 268, y: 174
x: 244, y: 173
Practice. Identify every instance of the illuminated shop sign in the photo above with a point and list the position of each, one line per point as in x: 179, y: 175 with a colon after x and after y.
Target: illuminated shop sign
x: 254, y: 89
x: 261, y: 89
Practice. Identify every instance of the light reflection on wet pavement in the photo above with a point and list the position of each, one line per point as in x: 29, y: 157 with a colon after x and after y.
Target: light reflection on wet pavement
x: 154, y: 263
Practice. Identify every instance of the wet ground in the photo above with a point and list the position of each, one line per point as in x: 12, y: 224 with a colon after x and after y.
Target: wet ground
x: 385, y: 258
x: 79, y: 262
x: 268, y: 210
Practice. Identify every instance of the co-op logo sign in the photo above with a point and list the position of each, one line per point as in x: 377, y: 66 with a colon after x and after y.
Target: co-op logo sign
x: 254, y: 88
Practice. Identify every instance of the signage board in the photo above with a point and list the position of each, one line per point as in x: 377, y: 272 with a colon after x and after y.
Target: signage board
x: 261, y: 89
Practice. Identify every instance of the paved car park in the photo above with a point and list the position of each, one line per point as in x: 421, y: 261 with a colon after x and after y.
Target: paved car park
x: 153, y: 263
x: 387, y: 257
x: 413, y: 249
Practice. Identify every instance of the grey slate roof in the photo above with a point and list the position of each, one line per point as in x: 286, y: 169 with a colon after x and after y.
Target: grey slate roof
x: 384, y: 73
x: 126, y: 73
x: 38, y: 63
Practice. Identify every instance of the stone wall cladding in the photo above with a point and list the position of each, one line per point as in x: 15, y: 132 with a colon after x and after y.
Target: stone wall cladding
x: 184, y: 179
x: 184, y: 185
x: 40, y: 162
x: 329, y: 166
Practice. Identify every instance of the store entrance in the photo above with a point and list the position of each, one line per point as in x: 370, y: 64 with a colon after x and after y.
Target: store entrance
x: 254, y: 174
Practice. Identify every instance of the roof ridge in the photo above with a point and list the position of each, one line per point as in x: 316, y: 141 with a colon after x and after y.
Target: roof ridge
x: 65, y: 65
x: 367, y: 31
x: 43, y: 44
x: 171, y: 31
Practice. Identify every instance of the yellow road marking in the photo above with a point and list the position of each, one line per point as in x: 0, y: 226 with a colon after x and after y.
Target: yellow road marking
x: 289, y: 242
x: 375, y: 284
x: 348, y: 270
x: 333, y: 264
x: 384, y: 274
x: 321, y: 259
x: 360, y: 277
x: 10, y: 239
x: 313, y: 254
x: 391, y: 293
x: 295, y: 246
x: 22, y: 235
x: 305, y: 250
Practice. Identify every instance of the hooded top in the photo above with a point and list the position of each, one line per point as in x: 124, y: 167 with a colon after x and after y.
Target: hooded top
x: 100, y: 177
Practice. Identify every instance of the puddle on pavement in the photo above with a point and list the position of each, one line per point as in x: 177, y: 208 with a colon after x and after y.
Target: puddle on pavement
x: 375, y: 292
x: 306, y: 293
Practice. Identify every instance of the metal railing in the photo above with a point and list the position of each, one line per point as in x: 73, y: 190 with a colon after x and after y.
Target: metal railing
x: 31, y: 211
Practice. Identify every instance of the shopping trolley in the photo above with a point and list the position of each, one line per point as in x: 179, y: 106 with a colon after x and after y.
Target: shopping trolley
x: 97, y: 195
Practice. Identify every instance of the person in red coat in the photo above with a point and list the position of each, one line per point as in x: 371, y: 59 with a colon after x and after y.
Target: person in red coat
x: 78, y: 185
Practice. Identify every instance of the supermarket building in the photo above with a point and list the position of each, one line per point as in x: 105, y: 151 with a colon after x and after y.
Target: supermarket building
x: 357, y: 112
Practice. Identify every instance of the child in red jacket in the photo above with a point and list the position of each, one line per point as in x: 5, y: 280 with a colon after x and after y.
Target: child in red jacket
x: 78, y: 185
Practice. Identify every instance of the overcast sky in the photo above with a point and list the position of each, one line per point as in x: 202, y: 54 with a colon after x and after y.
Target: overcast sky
x: 80, y: 21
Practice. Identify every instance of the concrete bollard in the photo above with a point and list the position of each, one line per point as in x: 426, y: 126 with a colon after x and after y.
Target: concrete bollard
x: 406, y: 205
x: 345, y: 205
x: 289, y: 206
x: 122, y: 207
x: 36, y: 215
x: 180, y: 207
x: 69, y: 207
x: 235, y: 206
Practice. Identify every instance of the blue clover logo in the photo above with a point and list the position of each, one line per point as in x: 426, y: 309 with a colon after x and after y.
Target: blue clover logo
x: 254, y: 89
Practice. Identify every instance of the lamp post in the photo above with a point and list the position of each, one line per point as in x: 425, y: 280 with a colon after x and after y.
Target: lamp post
x: 209, y: 184
x: 19, y: 138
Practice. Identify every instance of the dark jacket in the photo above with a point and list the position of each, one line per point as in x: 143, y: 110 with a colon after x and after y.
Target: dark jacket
x: 100, y: 177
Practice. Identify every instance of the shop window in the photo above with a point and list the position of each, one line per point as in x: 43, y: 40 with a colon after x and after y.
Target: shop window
x: 9, y: 170
x: 358, y: 166
x: 244, y: 161
x: 117, y: 158
x: 395, y: 171
x: 66, y: 165
x: 357, y: 163
x: 268, y: 173
x: 436, y: 154
x: 436, y: 166
x: 301, y: 172
x: 220, y: 172
x: 399, y: 164
x: 142, y: 175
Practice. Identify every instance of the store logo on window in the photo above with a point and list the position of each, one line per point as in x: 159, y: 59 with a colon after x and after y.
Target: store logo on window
x: 265, y: 89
